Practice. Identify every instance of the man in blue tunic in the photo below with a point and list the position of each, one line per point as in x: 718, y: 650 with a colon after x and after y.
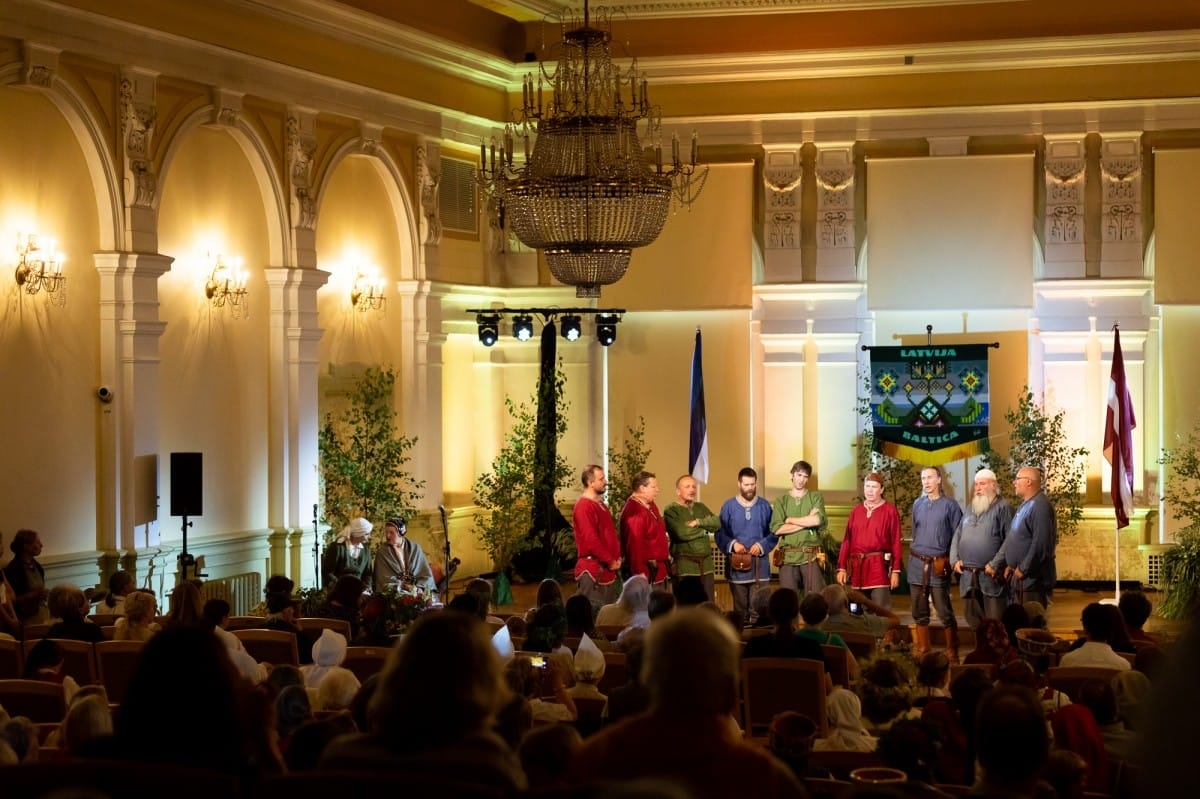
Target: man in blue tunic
x: 746, y: 531
x: 1029, y: 547
x: 977, y: 550
x: 935, y: 517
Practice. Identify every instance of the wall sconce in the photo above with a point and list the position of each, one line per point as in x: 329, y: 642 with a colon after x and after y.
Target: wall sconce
x: 41, y: 269
x: 226, y: 285
x: 367, y: 293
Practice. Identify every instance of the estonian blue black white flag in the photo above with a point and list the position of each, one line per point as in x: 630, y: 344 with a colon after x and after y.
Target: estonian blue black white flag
x: 698, y: 440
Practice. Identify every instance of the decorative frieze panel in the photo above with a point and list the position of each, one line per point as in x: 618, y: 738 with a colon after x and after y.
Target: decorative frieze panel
x: 834, y: 171
x: 1065, y: 175
x: 429, y: 177
x: 40, y: 67
x: 1121, y: 224
x: 782, y: 178
x: 226, y: 107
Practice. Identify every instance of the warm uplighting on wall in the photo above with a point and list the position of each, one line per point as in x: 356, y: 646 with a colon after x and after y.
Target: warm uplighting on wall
x: 226, y: 285
x: 40, y: 269
x: 367, y: 292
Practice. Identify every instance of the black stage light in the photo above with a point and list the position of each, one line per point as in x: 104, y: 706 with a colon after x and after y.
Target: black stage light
x: 489, y: 328
x: 572, y: 327
x: 606, y: 328
x: 523, y: 327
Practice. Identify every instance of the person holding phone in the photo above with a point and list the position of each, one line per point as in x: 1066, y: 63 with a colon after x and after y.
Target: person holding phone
x: 854, y: 612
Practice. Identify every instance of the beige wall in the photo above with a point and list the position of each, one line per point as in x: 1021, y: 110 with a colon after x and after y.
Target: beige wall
x: 48, y: 355
x: 213, y: 384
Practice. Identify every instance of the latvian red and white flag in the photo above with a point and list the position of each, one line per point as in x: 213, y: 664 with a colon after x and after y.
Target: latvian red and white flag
x: 1118, y: 436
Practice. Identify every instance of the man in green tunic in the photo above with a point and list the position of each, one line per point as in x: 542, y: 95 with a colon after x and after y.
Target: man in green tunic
x: 799, y: 522
x: 689, y: 523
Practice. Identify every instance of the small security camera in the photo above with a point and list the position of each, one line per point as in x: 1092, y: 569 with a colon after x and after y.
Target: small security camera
x: 104, y: 394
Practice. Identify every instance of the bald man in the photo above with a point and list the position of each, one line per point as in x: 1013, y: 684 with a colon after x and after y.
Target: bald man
x: 1029, y: 548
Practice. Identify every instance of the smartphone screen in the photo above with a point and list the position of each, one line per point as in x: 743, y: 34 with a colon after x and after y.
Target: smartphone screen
x: 538, y: 661
x: 856, y: 608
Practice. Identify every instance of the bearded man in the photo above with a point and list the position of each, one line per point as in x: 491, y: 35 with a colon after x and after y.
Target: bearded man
x: 977, y: 550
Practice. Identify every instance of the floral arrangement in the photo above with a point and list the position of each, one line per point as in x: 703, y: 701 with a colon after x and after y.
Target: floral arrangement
x: 389, y: 612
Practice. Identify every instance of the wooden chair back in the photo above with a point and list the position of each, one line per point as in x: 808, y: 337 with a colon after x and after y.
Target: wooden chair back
x: 610, y: 631
x: 314, y: 626
x: 1069, y: 679
x: 32, y: 631
x: 828, y: 789
x: 861, y: 645
x: 840, y: 764
x: 115, y: 662
x: 958, y: 669
x: 277, y: 647
x: 79, y: 658
x: 837, y: 663
x: 41, y: 702
x: 591, y: 713
x: 365, y: 660
x: 773, y: 685
x: 615, y: 672
x: 103, y: 618
x: 245, y: 623
x: 12, y: 659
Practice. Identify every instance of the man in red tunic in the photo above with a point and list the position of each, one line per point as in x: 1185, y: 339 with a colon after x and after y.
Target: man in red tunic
x: 644, y: 533
x: 869, y: 559
x: 595, y: 541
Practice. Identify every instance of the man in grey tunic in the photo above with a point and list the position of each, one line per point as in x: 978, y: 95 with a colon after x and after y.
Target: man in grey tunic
x: 977, y: 550
x: 935, y: 517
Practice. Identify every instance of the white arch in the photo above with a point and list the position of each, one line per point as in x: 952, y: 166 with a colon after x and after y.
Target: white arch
x: 394, y: 186
x: 88, y: 131
x: 270, y: 184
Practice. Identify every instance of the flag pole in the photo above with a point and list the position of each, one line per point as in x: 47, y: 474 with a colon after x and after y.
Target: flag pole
x: 1118, y: 451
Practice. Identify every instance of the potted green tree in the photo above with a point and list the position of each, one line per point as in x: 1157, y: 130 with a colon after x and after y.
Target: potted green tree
x: 1181, y: 563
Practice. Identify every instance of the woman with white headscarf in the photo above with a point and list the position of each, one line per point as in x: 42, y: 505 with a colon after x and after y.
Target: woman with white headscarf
x: 349, y: 554
x: 846, y: 731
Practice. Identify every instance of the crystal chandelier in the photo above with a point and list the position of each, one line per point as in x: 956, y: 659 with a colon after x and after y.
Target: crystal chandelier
x: 586, y: 195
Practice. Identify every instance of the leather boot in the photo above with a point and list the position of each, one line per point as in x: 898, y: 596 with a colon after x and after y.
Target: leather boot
x: 952, y: 645
x: 920, y: 636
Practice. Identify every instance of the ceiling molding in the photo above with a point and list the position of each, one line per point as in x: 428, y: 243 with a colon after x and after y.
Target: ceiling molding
x: 530, y: 10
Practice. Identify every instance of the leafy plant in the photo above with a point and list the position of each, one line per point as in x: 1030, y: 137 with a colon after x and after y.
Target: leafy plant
x: 363, y: 457
x: 1037, y: 438
x: 506, y: 492
x: 902, y: 478
x: 623, y: 466
x: 1181, y: 493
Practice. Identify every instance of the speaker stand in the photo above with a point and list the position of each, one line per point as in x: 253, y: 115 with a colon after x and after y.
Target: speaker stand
x: 186, y: 561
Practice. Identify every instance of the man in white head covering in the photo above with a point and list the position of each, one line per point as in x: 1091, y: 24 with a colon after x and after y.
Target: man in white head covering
x: 977, y: 550
x: 349, y: 554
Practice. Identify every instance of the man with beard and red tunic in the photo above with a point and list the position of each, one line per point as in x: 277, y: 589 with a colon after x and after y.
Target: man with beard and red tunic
x: 869, y: 559
x: 644, y: 533
x: 595, y: 541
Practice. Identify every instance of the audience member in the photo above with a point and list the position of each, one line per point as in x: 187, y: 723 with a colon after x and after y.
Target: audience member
x: 344, y: 602
x: 328, y: 652
x: 187, y: 607
x: 688, y: 736
x: 1022, y: 673
x: 549, y: 592
x: 27, y: 578
x: 68, y: 604
x: 293, y: 708
x: 911, y: 745
x: 790, y: 737
x: 546, y: 753
x: 1098, y: 697
x: 1135, y: 609
x: 992, y: 644
x: 933, y: 675
x: 886, y: 696
x: 1015, y: 617
x: 1011, y: 743
x: 632, y: 697
x: 186, y: 667
x: 45, y: 662
x: 276, y: 584
x: 660, y: 604
x: 1075, y: 729
x: 22, y: 736
x: 535, y: 680
x: 1095, y: 651
x: 956, y: 719
x: 138, y: 622
x: 873, y: 619
x: 1066, y: 773
x: 120, y: 585
x: 846, y: 732
x: 282, y: 610
x: 216, y: 617
x: 783, y: 608
x: 581, y: 621
x: 690, y: 591
x: 88, y: 720
x: 430, y: 743
x: 630, y: 607
x: 311, y: 739
x: 589, y: 668
x: 484, y: 590
x: 1130, y: 688
x: 337, y: 689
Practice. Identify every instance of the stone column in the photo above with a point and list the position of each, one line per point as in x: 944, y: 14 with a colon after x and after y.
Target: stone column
x: 129, y: 438
x: 420, y: 379
x: 292, y: 403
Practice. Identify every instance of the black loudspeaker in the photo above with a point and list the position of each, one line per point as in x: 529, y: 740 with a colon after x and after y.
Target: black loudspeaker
x: 187, y: 483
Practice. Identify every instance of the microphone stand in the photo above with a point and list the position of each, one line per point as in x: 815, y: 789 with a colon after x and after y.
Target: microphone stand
x: 316, y: 548
x: 446, y: 555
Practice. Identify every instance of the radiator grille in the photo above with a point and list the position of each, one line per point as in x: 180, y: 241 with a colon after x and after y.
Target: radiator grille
x: 241, y: 591
x: 1154, y: 570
